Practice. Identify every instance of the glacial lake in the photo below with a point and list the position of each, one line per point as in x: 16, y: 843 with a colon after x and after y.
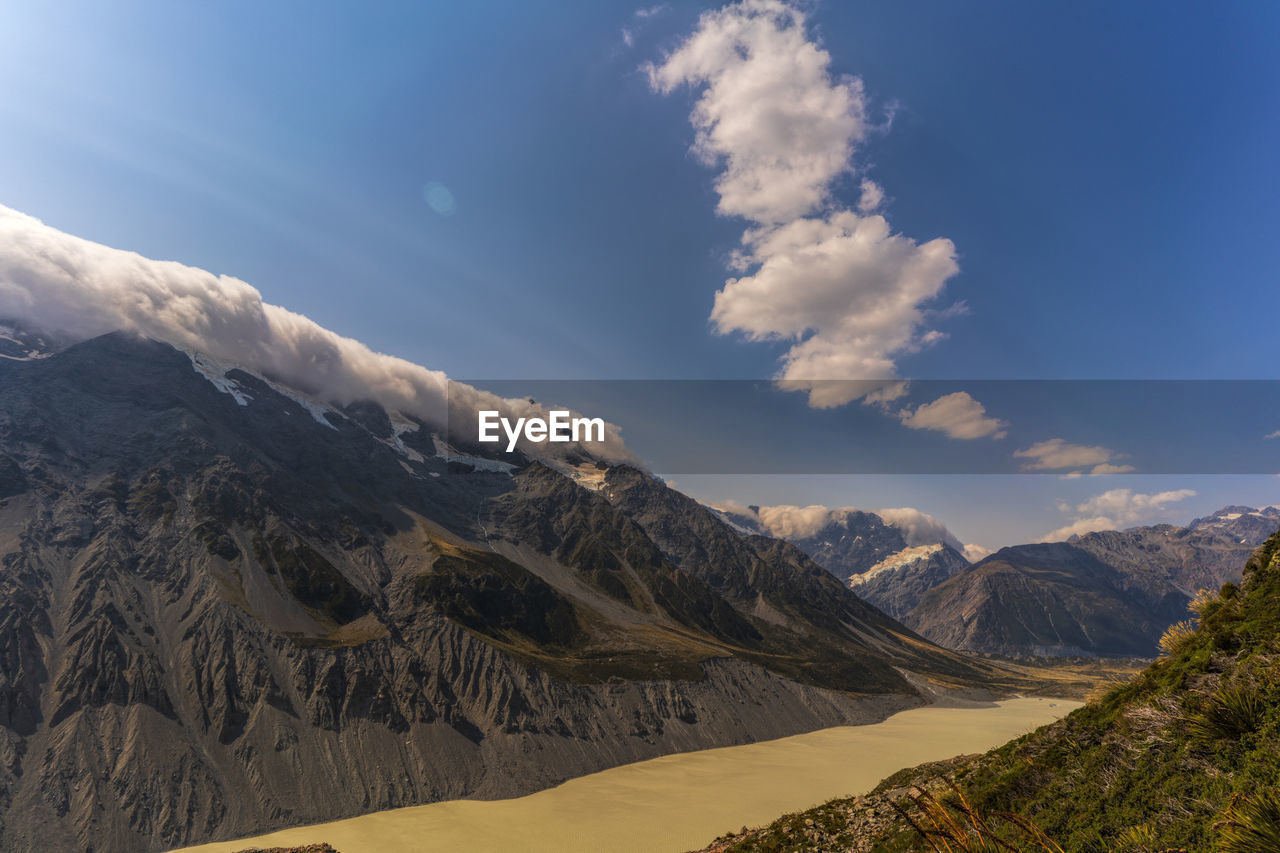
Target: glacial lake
x: 679, y: 802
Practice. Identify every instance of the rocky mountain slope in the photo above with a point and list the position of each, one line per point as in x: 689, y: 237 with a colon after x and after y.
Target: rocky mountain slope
x: 1180, y: 758
x: 1050, y: 599
x: 872, y: 557
x: 1110, y: 594
x: 228, y: 607
x: 898, y: 582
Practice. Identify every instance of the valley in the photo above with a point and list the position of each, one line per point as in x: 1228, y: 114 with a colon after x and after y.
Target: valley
x: 678, y: 802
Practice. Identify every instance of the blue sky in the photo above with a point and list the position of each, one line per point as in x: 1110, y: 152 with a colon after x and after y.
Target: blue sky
x: 1106, y: 174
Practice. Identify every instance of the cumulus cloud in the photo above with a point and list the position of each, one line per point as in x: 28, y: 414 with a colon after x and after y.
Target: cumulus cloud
x: 872, y: 196
x: 973, y: 552
x: 957, y: 415
x: 919, y: 528
x: 838, y: 284
x: 803, y: 522
x: 77, y: 289
x: 1114, y: 510
x: 1056, y: 454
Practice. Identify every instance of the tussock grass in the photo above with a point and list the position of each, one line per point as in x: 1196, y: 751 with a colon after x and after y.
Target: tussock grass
x: 1251, y: 824
x: 1176, y: 637
x: 953, y: 825
x: 1229, y: 714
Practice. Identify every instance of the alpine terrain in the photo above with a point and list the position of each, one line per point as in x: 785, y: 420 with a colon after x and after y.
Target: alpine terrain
x: 229, y: 607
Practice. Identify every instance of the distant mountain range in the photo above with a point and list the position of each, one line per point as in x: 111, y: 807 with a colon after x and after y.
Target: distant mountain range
x: 228, y: 606
x: 1108, y: 594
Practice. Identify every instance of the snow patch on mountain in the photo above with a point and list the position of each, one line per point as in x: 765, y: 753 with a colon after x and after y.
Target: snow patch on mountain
x: 216, y: 372
x: 448, y: 453
x: 900, y: 560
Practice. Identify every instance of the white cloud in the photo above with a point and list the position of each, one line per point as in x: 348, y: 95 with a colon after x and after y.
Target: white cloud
x: 1116, y: 509
x: 1271, y: 435
x: 973, y: 553
x: 651, y: 11
x: 770, y: 114
x: 919, y: 528
x: 872, y: 196
x: 1056, y: 454
x: 1080, y: 527
x: 957, y: 415
x: 839, y: 285
x: 1108, y: 468
x: 1129, y: 506
x: 77, y: 289
x: 802, y: 522
x: 798, y: 522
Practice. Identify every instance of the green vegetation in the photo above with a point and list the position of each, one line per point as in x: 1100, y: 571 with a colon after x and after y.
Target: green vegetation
x: 1186, y: 756
x: 952, y: 825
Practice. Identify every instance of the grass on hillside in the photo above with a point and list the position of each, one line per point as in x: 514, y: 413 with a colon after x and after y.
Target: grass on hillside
x: 1186, y: 756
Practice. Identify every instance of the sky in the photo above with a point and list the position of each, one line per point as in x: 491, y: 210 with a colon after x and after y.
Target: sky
x: 921, y: 190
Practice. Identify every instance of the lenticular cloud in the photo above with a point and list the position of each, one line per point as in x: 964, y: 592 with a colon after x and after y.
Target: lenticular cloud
x: 77, y: 289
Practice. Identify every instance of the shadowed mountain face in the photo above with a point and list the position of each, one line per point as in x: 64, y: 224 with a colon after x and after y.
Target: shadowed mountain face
x: 227, y: 608
x: 1052, y: 599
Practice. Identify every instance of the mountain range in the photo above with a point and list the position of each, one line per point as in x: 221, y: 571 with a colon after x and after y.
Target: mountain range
x: 229, y: 606
x: 1109, y: 594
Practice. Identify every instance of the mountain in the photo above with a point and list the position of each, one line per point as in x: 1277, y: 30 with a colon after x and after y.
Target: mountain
x: 1049, y: 599
x: 1205, y: 554
x: 898, y: 582
x: 870, y: 555
x: 1180, y: 758
x: 1110, y: 594
x: 229, y: 606
x: 852, y: 544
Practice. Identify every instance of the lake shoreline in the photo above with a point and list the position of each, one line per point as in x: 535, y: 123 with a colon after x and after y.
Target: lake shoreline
x: 685, y: 800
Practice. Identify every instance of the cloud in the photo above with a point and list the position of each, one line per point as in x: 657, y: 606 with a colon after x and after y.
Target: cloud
x: 1114, y: 510
x: 651, y: 11
x: 957, y: 415
x: 782, y: 128
x: 803, y: 522
x: 1056, y: 454
x: 973, y: 553
x: 1271, y: 435
x: 60, y: 284
x: 1080, y: 527
x: 770, y: 114
x: 799, y: 522
x: 919, y: 528
x: 872, y: 196
x: 1108, y: 468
